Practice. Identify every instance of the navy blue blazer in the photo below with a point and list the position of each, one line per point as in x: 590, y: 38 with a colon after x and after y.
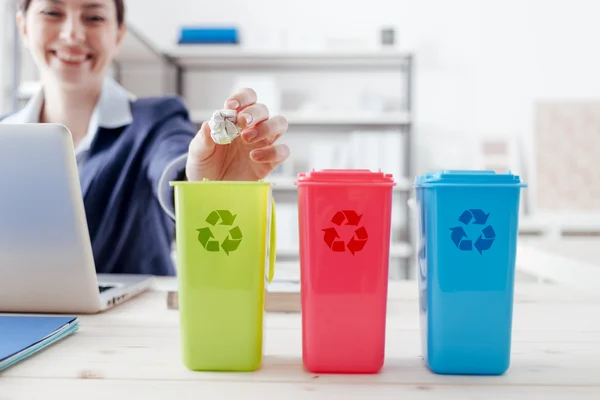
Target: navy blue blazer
x: 129, y: 229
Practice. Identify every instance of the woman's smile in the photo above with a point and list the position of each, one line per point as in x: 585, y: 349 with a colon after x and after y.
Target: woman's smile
x: 70, y: 57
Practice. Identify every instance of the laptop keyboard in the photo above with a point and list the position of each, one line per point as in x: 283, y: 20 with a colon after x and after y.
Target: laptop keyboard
x: 104, y: 288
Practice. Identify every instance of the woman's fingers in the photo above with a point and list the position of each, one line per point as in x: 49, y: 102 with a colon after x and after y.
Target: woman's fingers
x: 241, y: 99
x: 269, y: 130
x: 271, y: 154
x: 202, y: 146
x: 252, y: 115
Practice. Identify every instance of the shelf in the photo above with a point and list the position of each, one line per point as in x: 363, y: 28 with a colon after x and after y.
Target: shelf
x: 398, y: 118
x: 313, y: 118
x: 560, y: 224
x: 397, y: 250
x: 288, y: 184
x: 232, y: 56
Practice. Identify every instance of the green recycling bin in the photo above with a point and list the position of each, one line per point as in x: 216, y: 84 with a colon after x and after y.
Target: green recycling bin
x: 225, y: 235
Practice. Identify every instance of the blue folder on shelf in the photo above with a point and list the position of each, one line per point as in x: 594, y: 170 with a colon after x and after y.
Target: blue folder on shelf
x: 208, y: 35
x: 23, y: 336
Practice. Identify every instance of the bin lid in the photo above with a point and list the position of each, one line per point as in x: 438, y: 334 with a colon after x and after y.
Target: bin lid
x: 468, y: 178
x: 346, y: 176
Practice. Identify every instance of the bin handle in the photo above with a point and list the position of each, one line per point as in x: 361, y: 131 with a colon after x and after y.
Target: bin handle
x: 272, y: 243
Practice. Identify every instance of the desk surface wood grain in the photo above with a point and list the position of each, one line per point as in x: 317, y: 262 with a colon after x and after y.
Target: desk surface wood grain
x: 132, y: 351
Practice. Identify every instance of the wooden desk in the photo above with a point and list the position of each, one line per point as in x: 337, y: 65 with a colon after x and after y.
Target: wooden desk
x: 132, y: 352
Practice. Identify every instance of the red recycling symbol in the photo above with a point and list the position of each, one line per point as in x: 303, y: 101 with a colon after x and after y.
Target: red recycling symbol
x: 359, y: 238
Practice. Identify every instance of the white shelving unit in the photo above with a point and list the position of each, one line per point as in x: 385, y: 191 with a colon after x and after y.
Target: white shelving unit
x: 188, y: 59
x: 178, y: 61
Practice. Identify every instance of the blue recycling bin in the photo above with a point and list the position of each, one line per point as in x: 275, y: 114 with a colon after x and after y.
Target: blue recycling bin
x: 467, y: 224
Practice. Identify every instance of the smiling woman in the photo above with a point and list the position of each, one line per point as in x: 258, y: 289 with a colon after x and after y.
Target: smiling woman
x: 129, y: 149
x: 72, y: 44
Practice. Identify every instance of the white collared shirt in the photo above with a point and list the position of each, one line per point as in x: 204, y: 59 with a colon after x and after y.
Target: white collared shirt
x: 112, y: 111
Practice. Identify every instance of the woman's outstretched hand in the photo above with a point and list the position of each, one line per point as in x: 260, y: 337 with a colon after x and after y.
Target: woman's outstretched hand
x: 250, y: 157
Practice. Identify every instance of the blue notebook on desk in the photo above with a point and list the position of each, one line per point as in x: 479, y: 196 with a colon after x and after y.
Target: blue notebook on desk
x: 23, y: 336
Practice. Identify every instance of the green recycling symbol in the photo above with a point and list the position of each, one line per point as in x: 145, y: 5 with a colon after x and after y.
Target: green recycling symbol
x: 234, y: 236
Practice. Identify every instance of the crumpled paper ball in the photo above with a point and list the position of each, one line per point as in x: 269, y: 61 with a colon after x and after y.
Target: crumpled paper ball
x: 223, y: 128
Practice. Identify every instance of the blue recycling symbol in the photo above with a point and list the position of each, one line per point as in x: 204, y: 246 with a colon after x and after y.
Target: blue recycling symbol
x: 486, y: 237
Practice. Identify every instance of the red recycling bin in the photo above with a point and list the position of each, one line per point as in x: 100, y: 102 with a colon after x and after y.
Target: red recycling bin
x: 344, y: 227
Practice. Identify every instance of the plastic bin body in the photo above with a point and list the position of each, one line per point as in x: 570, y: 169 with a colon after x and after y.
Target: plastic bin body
x: 344, y: 230
x: 225, y: 235
x: 467, y: 225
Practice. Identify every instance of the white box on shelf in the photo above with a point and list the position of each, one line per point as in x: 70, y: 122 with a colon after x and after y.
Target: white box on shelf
x: 266, y: 88
x: 287, y: 225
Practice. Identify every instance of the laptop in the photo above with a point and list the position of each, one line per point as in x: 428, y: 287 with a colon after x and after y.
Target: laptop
x: 46, y: 259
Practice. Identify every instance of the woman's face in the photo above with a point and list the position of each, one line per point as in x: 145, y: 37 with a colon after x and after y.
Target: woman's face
x: 72, y: 41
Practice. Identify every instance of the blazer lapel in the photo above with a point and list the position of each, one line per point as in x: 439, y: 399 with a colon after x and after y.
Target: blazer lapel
x: 94, y: 161
x: 88, y: 172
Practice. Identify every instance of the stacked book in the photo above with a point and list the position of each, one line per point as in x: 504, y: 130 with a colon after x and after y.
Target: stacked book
x: 282, y: 295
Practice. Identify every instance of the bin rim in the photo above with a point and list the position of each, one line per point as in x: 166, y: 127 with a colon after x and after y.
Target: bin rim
x: 206, y: 181
x: 345, y: 177
x: 479, y: 178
